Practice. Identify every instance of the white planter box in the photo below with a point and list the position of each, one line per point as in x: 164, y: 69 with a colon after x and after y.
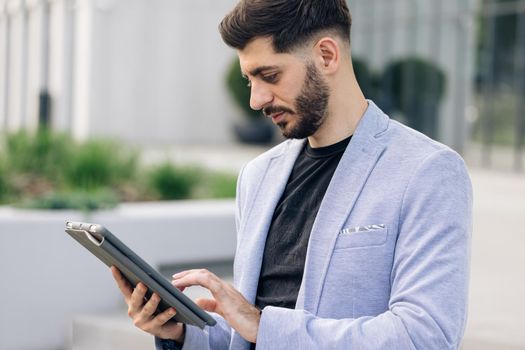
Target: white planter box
x: 47, y: 277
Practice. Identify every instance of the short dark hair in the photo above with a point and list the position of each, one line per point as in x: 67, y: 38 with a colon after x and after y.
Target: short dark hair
x: 290, y: 23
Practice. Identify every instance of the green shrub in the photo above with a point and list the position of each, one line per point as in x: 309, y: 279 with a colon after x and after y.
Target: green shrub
x: 170, y: 182
x: 44, y: 154
x: 77, y: 200
x: 100, y: 163
x: 50, y: 171
x: 415, y: 87
x: 4, y: 183
x: 217, y: 185
x: 366, y: 77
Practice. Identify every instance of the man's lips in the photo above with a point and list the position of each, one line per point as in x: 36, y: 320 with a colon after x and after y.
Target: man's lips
x: 277, y: 117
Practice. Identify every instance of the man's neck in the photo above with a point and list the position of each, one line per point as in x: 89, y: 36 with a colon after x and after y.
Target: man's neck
x: 346, y: 108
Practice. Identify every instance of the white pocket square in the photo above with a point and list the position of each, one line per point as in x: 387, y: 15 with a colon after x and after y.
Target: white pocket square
x: 367, y: 228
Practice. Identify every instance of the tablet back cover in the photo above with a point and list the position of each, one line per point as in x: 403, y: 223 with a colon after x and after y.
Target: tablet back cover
x: 112, y: 252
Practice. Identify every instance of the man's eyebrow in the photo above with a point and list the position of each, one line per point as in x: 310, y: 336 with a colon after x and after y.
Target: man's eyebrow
x: 259, y: 70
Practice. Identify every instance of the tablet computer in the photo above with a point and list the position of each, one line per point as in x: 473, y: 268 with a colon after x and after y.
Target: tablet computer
x: 112, y: 252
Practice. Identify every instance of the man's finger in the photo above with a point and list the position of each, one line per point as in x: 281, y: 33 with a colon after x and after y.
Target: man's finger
x: 183, y: 273
x: 201, y: 278
x: 163, y: 317
x: 209, y: 305
x: 151, y: 306
x: 137, y: 298
x: 123, y: 285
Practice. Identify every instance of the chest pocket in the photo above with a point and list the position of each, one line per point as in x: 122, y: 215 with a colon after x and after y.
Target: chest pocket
x: 363, y: 236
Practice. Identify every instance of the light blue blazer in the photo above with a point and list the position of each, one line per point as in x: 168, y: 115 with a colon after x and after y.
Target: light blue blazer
x: 387, y: 265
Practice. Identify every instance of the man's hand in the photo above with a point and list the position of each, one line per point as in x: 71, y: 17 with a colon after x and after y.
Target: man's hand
x: 142, y: 312
x: 227, y: 302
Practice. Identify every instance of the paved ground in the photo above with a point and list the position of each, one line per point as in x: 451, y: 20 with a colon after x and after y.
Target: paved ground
x: 497, y: 302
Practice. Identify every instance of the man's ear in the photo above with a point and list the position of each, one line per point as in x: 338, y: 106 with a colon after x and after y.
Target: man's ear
x: 328, y: 54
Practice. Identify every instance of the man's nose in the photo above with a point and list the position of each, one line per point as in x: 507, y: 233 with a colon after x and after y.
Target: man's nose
x: 260, y: 96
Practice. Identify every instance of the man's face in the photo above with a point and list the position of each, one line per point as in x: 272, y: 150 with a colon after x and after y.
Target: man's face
x: 286, y: 88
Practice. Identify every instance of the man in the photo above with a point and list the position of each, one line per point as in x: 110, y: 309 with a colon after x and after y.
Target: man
x: 352, y: 234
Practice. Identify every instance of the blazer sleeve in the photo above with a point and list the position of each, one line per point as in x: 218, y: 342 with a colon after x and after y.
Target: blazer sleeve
x: 429, y: 279
x: 216, y: 337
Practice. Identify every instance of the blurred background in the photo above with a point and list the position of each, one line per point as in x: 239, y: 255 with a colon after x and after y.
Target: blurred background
x: 132, y: 113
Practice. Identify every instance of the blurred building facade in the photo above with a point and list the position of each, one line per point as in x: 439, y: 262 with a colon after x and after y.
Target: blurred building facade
x: 152, y: 71
x: 146, y: 71
x: 441, y: 35
x: 500, y: 84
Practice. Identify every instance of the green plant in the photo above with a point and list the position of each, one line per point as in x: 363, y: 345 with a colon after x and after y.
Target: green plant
x: 4, y: 184
x: 100, y: 163
x: 366, y: 78
x: 170, y: 182
x: 50, y: 171
x: 412, y: 77
x: 414, y: 87
x: 239, y: 90
x: 44, y: 154
x: 217, y: 185
x: 77, y: 200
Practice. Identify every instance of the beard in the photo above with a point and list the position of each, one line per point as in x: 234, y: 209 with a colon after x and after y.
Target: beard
x: 310, y: 107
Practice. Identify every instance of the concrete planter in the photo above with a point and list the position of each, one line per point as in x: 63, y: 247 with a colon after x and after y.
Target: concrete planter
x: 48, y: 278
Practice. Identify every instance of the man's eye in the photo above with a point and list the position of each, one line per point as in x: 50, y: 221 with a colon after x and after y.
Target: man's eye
x: 272, y: 78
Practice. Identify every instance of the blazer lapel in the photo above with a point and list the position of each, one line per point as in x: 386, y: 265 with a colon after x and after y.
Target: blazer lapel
x: 349, y: 178
x: 253, y: 235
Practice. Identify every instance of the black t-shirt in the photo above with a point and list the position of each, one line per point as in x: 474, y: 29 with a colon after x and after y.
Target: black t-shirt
x: 287, y: 240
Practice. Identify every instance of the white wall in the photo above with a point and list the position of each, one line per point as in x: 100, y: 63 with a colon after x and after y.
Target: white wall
x: 3, y: 62
x: 147, y: 71
x: 36, y: 60
x: 60, y: 72
x: 158, y: 70
x: 17, y: 72
x: 82, y: 73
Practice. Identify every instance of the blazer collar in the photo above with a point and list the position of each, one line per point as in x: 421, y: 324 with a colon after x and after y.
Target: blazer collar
x: 356, y: 164
x: 254, y: 231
